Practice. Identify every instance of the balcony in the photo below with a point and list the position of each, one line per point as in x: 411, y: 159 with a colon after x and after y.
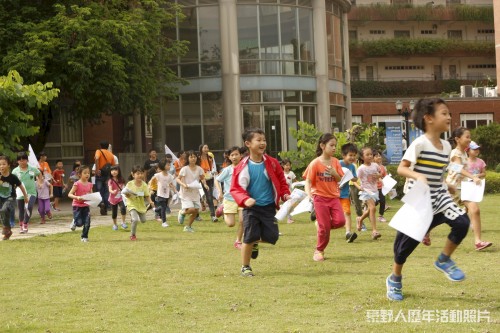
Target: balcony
x: 381, y: 12
x: 420, y: 47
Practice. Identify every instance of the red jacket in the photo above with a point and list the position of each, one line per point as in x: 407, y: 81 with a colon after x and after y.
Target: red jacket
x: 241, y: 179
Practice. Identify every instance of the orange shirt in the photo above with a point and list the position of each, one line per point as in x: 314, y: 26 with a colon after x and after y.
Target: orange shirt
x: 110, y: 158
x: 45, y: 168
x: 205, y: 165
x: 322, y: 183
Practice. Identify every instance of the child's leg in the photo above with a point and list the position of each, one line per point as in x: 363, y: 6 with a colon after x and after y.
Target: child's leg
x: 27, y: 213
x: 372, y: 209
x: 41, y: 208
x: 114, y: 213
x: 20, y: 207
x: 192, y: 213
x: 475, y: 218
x: 354, y: 194
x: 381, y: 198
x: 85, y: 211
x: 323, y: 223
x: 123, y: 212
x: 134, y: 217
x: 239, y: 233
x: 162, y: 203
x: 230, y: 219
x: 246, y: 253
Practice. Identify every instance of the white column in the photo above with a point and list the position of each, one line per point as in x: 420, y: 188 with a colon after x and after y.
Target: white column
x: 496, y: 15
x: 347, y: 69
x: 233, y: 117
x: 321, y: 51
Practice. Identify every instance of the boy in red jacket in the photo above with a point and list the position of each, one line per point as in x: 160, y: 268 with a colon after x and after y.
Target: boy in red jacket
x: 257, y: 185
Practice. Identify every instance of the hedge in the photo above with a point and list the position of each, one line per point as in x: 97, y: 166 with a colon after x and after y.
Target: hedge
x: 492, y: 181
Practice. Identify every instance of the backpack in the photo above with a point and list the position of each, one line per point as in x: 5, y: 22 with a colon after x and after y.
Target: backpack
x: 106, y: 169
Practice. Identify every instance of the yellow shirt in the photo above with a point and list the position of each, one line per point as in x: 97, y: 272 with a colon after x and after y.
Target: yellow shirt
x: 137, y: 201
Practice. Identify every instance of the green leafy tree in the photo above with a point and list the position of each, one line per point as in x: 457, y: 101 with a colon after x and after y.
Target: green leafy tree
x: 488, y: 137
x: 15, y: 99
x: 106, y: 57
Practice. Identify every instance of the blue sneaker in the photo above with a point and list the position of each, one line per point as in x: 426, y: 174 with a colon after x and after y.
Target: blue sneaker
x: 124, y: 226
x: 181, y: 217
x: 450, y: 270
x: 394, y: 289
x: 115, y: 227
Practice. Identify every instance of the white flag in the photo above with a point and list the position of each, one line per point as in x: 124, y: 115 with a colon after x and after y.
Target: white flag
x: 168, y: 151
x: 32, y: 158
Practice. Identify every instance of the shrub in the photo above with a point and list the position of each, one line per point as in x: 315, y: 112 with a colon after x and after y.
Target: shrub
x: 497, y: 169
x: 488, y: 137
x: 492, y: 182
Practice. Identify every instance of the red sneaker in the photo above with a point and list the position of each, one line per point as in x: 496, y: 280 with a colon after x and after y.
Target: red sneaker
x: 482, y: 245
x: 133, y: 238
x: 219, y: 211
x: 237, y: 245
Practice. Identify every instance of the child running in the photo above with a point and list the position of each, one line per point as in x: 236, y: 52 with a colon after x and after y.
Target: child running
x: 165, y: 183
x: 8, y: 185
x: 369, y: 175
x: 116, y: 183
x: 81, y: 210
x: 290, y: 177
x: 349, y: 156
x: 461, y: 139
x: 27, y: 175
x: 136, y: 192
x: 377, y: 158
x: 230, y: 206
x: 189, y: 177
x: 58, y: 183
x: 258, y: 184
x: 322, y: 177
x: 44, y: 192
x: 425, y: 160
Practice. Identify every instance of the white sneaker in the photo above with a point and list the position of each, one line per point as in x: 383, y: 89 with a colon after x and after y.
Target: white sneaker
x: 164, y: 224
x: 85, y: 240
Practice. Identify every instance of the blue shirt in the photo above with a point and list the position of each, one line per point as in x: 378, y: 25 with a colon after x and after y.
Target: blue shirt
x: 344, y: 190
x: 225, y: 177
x: 260, y: 187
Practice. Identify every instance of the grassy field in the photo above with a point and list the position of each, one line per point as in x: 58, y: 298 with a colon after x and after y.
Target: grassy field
x: 171, y: 281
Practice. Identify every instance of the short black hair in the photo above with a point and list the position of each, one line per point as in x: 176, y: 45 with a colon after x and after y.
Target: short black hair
x: 104, y: 144
x: 250, y: 132
x: 22, y: 155
x: 349, y: 148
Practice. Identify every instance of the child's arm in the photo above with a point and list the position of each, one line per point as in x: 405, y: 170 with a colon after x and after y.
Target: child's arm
x: 463, y: 172
x: 180, y: 181
x: 51, y: 189
x: 219, y: 189
x: 307, y: 188
x: 110, y: 188
x: 25, y: 194
x: 72, y: 195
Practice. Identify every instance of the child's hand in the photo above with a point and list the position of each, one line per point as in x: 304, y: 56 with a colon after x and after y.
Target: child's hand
x: 422, y: 178
x: 249, y: 202
x: 452, y: 189
x: 476, y: 180
x: 286, y: 197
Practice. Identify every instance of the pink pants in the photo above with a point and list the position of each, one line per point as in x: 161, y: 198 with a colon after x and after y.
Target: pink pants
x: 329, y: 215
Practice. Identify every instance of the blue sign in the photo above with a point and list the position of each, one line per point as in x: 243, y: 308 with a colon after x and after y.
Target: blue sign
x: 394, y: 141
x: 414, y: 133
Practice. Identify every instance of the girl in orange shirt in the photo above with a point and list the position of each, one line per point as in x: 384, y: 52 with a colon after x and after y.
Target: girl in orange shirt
x: 322, y: 177
x: 206, y: 163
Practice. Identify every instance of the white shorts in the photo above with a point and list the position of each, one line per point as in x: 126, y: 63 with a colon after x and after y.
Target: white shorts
x: 186, y: 204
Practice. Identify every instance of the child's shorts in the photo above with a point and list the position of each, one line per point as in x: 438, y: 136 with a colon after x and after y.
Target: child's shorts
x: 57, y: 191
x: 231, y: 207
x: 186, y: 204
x: 346, y: 205
x: 259, y: 223
x: 363, y: 195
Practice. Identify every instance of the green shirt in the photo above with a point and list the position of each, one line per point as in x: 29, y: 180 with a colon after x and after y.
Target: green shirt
x: 137, y: 201
x: 28, y: 178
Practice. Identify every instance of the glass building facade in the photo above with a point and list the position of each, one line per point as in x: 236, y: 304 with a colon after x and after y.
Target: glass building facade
x: 259, y: 63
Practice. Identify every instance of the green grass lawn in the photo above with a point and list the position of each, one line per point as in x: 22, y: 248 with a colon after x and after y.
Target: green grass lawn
x: 171, y: 281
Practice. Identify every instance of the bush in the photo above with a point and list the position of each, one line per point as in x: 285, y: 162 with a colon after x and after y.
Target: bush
x: 492, y: 182
x: 488, y: 137
x: 497, y: 169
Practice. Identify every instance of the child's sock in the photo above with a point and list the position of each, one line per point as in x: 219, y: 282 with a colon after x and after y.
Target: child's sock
x: 396, y: 278
x: 443, y: 258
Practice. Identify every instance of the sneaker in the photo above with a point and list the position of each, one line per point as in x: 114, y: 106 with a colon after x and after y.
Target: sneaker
x: 133, y: 238
x: 103, y: 210
x: 350, y: 237
x: 290, y: 221
x: 21, y: 228
x: 219, y: 211
x: 237, y: 245
x: 255, y: 251
x: 72, y: 226
x: 214, y: 219
x: 164, y: 225
x: 358, y: 223
x: 450, y: 270
x: 25, y: 228
x: 181, y: 217
x: 12, y: 224
x: 188, y: 229
x: 394, y: 289
x: 85, y: 240
x: 124, y: 226
x: 482, y: 245
x: 246, y: 271
x: 382, y: 219
x: 115, y: 227
x: 7, y: 232
x: 427, y: 240
x: 363, y: 227
x: 319, y: 256
x: 198, y: 218
x: 376, y: 235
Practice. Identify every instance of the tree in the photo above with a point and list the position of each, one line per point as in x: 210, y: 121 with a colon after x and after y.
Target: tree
x: 15, y: 98
x: 488, y: 137
x: 105, y: 56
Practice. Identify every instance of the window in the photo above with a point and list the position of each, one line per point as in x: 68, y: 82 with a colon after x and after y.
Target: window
x: 455, y: 34
x: 357, y: 119
x: 482, y: 66
x: 485, y: 31
x: 64, y: 141
x: 473, y: 120
x: 353, y: 35
x: 403, y: 68
x: 401, y: 33
x: 354, y: 73
x: 377, y: 32
x: 428, y: 32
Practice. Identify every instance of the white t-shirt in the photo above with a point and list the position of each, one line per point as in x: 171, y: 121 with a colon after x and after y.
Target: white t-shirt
x: 164, y: 182
x: 190, y: 194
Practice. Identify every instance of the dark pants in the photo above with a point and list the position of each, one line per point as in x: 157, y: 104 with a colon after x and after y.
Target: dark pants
x: 101, y: 184
x: 25, y: 214
x: 7, y: 206
x: 381, y: 201
x: 404, y: 245
x: 354, y: 193
x: 162, y: 204
x: 81, y: 215
x: 209, y: 195
x: 114, y: 210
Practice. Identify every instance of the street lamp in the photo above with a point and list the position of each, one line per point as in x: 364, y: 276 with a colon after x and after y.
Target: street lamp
x: 406, y: 114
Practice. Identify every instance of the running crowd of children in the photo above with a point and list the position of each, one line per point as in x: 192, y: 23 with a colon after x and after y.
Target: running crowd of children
x: 252, y: 185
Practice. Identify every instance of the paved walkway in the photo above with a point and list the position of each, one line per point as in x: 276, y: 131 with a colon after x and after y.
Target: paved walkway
x: 61, y: 220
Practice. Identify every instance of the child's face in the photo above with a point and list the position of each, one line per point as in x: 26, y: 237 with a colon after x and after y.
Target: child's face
x: 152, y: 155
x: 114, y: 172
x: 235, y: 157
x: 367, y: 155
x: 23, y: 163
x: 59, y: 165
x: 4, y: 166
x: 287, y: 167
x: 441, y: 119
x: 204, y: 149
x: 138, y: 175
x: 350, y: 157
x: 473, y: 152
x: 193, y: 159
x: 257, y: 145
x: 85, y: 174
x: 377, y: 158
x: 167, y: 167
x: 464, y: 140
x: 330, y: 147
